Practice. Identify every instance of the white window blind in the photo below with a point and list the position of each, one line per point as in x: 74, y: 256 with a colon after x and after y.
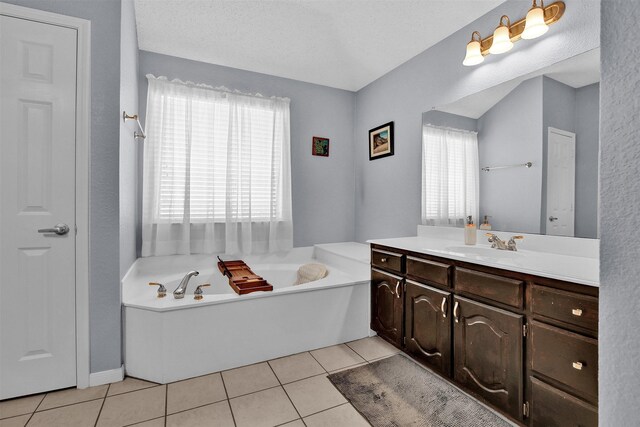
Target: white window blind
x: 213, y: 160
x: 450, y: 189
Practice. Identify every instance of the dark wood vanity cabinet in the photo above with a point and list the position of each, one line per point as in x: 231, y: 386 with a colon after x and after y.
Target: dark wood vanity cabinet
x: 488, y: 358
x: 428, y: 326
x: 387, y: 306
x: 523, y: 344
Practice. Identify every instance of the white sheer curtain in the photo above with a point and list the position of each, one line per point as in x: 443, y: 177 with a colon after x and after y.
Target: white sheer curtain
x: 217, y: 171
x: 450, y: 169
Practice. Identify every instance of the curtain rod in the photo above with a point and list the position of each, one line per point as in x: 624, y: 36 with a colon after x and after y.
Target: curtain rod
x: 450, y: 128
x: 189, y: 83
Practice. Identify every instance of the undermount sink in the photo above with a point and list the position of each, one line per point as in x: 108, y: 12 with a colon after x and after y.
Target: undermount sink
x: 483, y: 251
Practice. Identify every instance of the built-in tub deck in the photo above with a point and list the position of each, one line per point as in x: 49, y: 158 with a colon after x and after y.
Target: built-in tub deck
x: 169, y: 339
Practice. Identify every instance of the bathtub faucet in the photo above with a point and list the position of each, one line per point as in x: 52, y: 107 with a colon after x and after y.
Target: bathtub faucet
x: 182, y: 287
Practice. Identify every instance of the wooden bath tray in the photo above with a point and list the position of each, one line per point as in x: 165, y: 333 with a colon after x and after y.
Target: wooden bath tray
x: 241, y: 278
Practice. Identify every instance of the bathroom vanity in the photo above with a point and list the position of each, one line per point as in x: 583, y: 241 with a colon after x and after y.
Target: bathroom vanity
x: 526, y: 344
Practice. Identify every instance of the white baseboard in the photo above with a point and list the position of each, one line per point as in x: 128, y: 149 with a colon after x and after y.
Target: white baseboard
x: 106, y: 377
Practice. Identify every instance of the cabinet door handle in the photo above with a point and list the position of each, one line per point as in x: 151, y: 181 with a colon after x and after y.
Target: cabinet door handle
x: 442, y: 307
x: 577, y: 365
x: 383, y: 260
x: 576, y: 312
x: 397, y: 287
x: 456, y: 307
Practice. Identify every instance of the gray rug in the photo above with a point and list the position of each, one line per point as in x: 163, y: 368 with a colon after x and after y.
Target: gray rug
x: 397, y: 392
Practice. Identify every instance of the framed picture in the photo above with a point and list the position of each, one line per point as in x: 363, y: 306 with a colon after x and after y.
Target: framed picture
x: 381, y: 141
x: 320, y: 146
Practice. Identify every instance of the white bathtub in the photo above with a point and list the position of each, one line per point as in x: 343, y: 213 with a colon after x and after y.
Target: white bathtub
x: 168, y: 340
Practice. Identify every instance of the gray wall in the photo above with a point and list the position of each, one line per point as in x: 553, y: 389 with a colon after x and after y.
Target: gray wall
x: 510, y: 133
x: 322, y: 187
x: 388, y: 189
x: 104, y: 286
x: 620, y: 222
x: 587, y: 159
x: 128, y: 145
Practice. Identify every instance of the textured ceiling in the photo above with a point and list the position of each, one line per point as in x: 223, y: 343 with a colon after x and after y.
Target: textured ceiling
x: 345, y: 44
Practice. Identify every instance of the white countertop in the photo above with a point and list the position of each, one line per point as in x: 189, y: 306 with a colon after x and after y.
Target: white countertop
x: 575, y: 269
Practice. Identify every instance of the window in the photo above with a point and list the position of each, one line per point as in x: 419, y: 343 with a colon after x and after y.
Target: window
x: 214, y: 159
x: 449, y: 176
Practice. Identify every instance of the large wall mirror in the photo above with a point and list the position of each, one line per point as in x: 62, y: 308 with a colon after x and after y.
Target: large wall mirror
x: 523, y: 154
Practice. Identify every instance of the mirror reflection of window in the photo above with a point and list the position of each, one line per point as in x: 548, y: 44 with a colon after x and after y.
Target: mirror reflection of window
x: 449, y: 176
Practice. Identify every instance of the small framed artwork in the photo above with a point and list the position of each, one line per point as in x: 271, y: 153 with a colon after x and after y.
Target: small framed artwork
x: 320, y: 146
x: 381, y: 141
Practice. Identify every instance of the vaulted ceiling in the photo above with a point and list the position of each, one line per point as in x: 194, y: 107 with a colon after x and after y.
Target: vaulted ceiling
x: 345, y: 44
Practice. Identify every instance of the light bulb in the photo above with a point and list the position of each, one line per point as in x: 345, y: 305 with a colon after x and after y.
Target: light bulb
x: 535, y: 24
x: 474, y: 51
x: 501, y: 38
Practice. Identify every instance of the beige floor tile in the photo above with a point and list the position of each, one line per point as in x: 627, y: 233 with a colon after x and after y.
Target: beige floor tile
x: 19, y: 421
x: 134, y: 407
x: 296, y: 367
x: 157, y: 422
x: 373, y: 348
x: 348, y: 367
x: 127, y: 385
x: 336, y: 357
x: 20, y: 406
x: 296, y: 423
x: 216, y: 415
x: 342, y: 416
x: 72, y: 395
x: 265, y: 408
x: 249, y: 379
x: 194, y: 392
x: 314, y: 395
x: 78, y: 415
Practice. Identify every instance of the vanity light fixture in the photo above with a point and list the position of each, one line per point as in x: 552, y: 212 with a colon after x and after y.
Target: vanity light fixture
x: 535, y: 24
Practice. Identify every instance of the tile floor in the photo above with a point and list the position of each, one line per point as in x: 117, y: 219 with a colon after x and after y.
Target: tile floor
x: 291, y: 391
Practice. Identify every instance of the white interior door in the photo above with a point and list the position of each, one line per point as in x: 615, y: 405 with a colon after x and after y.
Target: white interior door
x: 561, y: 182
x: 37, y: 191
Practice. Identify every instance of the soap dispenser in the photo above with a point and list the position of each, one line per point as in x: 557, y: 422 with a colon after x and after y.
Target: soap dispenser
x: 485, y: 223
x: 470, y: 234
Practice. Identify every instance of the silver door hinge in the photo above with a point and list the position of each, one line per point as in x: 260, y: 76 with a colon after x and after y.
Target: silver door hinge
x: 525, y: 409
x: 525, y: 329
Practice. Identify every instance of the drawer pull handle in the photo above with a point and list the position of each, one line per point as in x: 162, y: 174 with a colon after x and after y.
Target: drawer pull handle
x: 577, y: 365
x: 397, y: 287
x: 576, y: 312
x: 456, y: 306
x: 442, y: 308
x: 383, y: 260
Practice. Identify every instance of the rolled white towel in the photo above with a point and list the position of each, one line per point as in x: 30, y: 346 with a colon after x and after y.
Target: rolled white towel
x: 311, y: 272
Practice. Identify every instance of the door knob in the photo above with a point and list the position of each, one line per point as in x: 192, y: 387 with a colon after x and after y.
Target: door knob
x: 553, y: 218
x: 59, y: 229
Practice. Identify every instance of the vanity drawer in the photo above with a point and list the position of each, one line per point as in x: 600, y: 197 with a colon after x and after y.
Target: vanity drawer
x: 551, y: 407
x: 432, y: 271
x: 568, y: 307
x: 388, y: 260
x: 566, y: 357
x: 495, y: 288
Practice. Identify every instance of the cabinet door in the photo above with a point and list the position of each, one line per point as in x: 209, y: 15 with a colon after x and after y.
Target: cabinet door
x: 386, y: 306
x: 488, y: 361
x: 428, y: 326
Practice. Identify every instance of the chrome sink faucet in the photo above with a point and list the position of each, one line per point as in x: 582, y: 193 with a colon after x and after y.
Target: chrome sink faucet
x: 500, y: 244
x: 182, y: 287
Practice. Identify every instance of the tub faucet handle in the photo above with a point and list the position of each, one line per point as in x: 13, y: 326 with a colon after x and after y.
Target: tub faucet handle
x: 197, y: 294
x: 162, y: 291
